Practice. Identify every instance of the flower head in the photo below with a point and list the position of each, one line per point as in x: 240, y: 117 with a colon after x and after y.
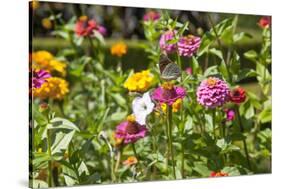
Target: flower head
x: 188, y: 70
x: 151, y: 16
x: 54, y: 87
x: 265, y: 22
x: 218, y: 174
x: 85, y: 27
x: 168, y: 93
x: 139, y: 82
x: 238, y: 95
x: 47, y: 23
x: 230, y: 114
x: 35, y: 4
x: 130, y: 131
x: 142, y: 107
x: 131, y: 160
x: 39, y: 77
x: 188, y: 45
x: 212, y: 92
x: 102, y: 30
x: 119, y: 49
x: 164, y: 41
x: 46, y: 61
x: 177, y: 105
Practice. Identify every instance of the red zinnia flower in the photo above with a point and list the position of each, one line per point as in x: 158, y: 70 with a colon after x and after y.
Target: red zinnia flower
x: 218, y: 174
x: 238, y: 95
x: 85, y: 26
x: 264, y: 22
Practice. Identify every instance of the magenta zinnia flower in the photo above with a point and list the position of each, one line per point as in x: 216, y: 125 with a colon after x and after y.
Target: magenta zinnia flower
x: 188, y: 45
x: 130, y: 131
x: 39, y: 77
x: 165, y: 38
x: 151, y: 15
x: 168, y: 93
x: 102, y: 30
x: 212, y: 92
x: 230, y: 114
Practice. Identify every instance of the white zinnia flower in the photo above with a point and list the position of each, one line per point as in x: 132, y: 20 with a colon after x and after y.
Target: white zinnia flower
x: 142, y: 107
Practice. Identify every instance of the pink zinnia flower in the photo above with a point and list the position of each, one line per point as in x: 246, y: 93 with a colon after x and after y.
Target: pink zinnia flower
x: 230, y: 114
x: 85, y: 27
x: 188, y: 45
x: 168, y: 93
x: 151, y: 15
x: 165, y: 38
x: 265, y: 22
x: 130, y: 131
x: 212, y: 92
x: 102, y: 30
x: 39, y: 77
x: 188, y: 70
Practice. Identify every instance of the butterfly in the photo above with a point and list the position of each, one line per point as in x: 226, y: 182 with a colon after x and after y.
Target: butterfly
x: 168, y: 69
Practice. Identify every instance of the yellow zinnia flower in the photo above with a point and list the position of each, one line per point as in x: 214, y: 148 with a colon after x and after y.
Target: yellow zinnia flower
x: 54, y: 87
x: 177, y: 105
x: 46, y: 61
x: 46, y: 23
x: 119, y: 49
x: 139, y: 82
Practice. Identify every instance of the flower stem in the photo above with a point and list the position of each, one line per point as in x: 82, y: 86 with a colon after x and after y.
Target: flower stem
x: 50, y: 171
x: 134, y: 150
x: 244, y: 140
x: 214, y: 123
x: 170, y: 119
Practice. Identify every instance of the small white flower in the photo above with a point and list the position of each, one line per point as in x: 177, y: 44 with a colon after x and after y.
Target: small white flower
x: 142, y: 107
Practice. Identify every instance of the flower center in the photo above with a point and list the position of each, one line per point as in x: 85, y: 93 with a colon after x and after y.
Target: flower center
x: 131, y: 118
x: 132, y: 128
x: 167, y: 86
x: 83, y: 18
x: 211, y: 81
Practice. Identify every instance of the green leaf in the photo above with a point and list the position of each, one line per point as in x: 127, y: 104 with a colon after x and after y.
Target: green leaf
x: 61, y: 123
x: 38, y: 184
x: 61, y: 142
x: 202, y: 169
x: 251, y: 55
x: 212, y: 70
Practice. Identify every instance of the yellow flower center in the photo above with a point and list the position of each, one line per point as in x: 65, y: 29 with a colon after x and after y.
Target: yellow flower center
x: 167, y: 85
x: 83, y: 18
x: 177, y: 105
x: 131, y: 118
x: 211, y: 81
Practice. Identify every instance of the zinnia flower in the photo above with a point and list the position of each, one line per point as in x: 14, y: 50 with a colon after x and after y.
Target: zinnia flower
x: 130, y: 130
x: 139, y: 82
x: 54, y: 87
x: 119, y: 49
x: 230, y: 114
x: 168, y: 93
x: 46, y: 23
x: 85, y: 27
x: 39, y: 77
x: 218, y: 174
x: 212, y: 92
x: 151, y: 15
x: 131, y: 160
x: 102, y: 30
x: 188, y: 70
x: 265, y: 22
x: 188, y: 45
x: 46, y: 61
x: 238, y: 95
x: 164, y: 41
x: 142, y: 107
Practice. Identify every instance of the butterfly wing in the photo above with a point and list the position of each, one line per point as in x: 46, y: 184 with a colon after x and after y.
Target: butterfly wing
x: 163, y: 62
x: 171, y: 72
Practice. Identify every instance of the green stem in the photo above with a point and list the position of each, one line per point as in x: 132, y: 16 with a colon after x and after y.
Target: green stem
x: 220, y: 45
x: 244, y: 140
x: 50, y: 171
x: 135, y: 152
x: 214, y: 123
x: 170, y: 119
